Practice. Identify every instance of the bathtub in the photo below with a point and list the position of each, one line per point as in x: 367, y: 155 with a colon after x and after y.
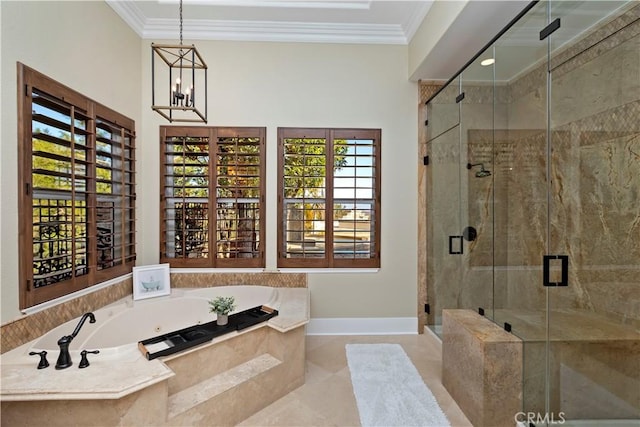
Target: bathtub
x: 122, y: 324
x: 122, y: 387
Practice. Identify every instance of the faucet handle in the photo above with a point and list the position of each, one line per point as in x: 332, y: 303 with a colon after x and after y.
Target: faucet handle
x: 43, y: 358
x: 84, y: 362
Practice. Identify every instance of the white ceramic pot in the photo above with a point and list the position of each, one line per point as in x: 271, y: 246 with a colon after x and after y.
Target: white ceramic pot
x: 223, y: 319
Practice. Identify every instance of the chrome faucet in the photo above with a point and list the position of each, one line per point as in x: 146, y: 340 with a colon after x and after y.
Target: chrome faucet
x: 64, y: 358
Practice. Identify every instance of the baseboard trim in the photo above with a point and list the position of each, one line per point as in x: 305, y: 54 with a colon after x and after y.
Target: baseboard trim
x: 363, y: 326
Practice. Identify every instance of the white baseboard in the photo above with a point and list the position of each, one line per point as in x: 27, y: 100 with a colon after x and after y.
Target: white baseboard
x: 363, y: 326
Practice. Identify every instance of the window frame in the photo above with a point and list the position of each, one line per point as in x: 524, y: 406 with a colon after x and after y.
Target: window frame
x: 213, y: 133
x: 30, y: 83
x: 329, y: 261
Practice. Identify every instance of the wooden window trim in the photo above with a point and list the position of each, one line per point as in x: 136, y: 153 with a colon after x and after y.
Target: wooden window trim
x: 29, y: 80
x: 328, y: 261
x: 213, y: 133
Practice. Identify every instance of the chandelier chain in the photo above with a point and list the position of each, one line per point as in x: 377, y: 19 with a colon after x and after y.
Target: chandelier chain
x: 180, y: 22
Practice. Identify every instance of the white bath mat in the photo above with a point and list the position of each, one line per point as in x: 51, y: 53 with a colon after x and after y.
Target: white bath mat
x: 389, y: 390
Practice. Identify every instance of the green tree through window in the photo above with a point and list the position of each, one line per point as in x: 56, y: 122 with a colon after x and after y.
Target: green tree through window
x: 78, y: 177
x: 329, y: 197
x: 213, y: 196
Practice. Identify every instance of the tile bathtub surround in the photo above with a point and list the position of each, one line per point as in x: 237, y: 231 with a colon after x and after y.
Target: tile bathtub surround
x: 205, y: 280
x: 217, y: 383
x: 144, y: 408
x: 28, y: 328
x: 266, y: 369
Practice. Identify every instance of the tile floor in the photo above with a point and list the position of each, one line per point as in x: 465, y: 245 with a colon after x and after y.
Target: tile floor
x: 326, y: 398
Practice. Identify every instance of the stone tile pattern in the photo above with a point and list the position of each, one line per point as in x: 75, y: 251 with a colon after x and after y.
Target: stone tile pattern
x: 219, y: 365
x: 327, y: 399
x: 143, y: 408
x: 28, y: 328
x: 206, y: 280
x: 594, y: 217
x: 593, y: 358
x: 244, y: 399
x: 481, y: 368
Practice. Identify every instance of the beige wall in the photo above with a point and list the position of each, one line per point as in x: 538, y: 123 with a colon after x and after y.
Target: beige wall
x: 311, y: 85
x: 250, y: 84
x: 83, y: 45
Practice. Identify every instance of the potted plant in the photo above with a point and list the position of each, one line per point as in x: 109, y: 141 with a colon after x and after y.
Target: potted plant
x: 222, y: 306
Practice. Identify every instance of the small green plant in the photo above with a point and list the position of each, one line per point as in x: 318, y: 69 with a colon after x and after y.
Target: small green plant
x: 222, y: 305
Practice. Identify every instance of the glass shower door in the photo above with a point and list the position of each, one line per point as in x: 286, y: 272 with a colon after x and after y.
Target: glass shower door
x: 594, y: 170
x: 478, y: 149
x: 520, y: 189
x: 444, y: 241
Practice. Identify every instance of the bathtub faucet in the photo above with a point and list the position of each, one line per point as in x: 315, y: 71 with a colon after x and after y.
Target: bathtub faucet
x: 64, y: 358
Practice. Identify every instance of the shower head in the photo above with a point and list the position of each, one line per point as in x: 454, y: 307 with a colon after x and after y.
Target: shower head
x: 482, y: 173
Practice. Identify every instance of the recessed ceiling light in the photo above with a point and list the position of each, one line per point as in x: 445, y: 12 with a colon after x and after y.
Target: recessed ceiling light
x: 488, y: 61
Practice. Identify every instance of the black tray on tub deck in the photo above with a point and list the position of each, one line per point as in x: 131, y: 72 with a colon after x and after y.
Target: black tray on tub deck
x: 176, y: 341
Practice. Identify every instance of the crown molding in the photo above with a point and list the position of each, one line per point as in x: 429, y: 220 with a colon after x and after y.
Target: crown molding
x: 130, y: 14
x: 290, y: 4
x: 413, y: 23
x: 271, y: 31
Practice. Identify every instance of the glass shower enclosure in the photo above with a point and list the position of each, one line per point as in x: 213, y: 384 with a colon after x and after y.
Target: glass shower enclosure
x: 533, y: 203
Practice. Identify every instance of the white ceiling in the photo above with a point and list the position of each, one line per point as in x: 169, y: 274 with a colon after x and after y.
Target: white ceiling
x: 370, y: 22
x: 326, y: 21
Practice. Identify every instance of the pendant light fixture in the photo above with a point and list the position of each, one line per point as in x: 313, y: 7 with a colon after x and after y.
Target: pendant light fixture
x: 178, y: 81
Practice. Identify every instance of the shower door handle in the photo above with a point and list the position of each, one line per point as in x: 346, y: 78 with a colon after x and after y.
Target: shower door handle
x: 452, y: 251
x: 546, y: 270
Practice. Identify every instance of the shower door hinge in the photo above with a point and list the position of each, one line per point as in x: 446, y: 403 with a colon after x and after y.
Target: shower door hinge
x: 426, y: 122
x: 459, y: 98
x: 427, y: 309
x: 546, y: 270
x: 549, y: 29
x: 481, y: 311
x: 425, y: 160
x: 507, y: 326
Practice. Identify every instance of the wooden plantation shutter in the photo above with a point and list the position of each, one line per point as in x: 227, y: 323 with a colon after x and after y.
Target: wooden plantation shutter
x: 76, y: 190
x: 212, y: 196
x: 329, y: 198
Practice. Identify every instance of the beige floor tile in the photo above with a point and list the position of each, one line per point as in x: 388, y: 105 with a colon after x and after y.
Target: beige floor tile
x: 327, y: 399
x: 287, y: 412
x: 314, y: 373
x: 329, y: 356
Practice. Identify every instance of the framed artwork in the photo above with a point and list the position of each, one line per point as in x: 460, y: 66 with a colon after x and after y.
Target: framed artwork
x: 151, y: 281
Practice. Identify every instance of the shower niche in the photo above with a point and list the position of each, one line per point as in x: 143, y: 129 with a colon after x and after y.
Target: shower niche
x: 535, y: 144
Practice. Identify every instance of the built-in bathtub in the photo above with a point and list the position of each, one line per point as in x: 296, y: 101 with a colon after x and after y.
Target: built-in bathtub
x: 126, y: 322
x: 199, y: 386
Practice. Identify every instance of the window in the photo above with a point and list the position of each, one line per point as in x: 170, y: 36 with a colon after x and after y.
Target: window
x: 212, y: 196
x: 329, y: 198
x: 77, y: 190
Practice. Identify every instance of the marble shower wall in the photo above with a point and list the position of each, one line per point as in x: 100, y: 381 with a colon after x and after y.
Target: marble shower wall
x: 592, y: 213
x: 589, y: 210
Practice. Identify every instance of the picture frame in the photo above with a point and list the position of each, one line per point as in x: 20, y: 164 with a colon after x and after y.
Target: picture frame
x: 151, y: 281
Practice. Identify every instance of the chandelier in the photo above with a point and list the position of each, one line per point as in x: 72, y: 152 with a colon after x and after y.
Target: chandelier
x: 184, y: 72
